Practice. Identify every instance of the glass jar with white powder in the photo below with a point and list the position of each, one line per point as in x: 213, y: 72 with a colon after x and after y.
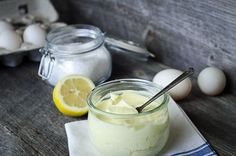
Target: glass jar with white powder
x: 76, y: 49
x: 82, y: 49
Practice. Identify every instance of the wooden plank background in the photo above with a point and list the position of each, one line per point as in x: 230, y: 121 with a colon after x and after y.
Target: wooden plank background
x: 181, y: 33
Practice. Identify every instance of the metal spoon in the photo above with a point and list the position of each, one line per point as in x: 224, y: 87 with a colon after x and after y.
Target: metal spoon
x: 176, y: 81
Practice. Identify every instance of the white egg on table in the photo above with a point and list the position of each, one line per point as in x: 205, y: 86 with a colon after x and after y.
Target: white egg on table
x: 5, y: 26
x: 10, y: 40
x: 35, y: 35
x: 180, y: 91
x: 211, y: 81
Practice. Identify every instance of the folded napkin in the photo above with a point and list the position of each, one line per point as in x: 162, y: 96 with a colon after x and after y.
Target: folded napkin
x: 184, y: 139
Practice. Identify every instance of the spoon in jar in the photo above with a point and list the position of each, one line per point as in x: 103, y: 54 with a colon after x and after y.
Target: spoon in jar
x: 176, y: 81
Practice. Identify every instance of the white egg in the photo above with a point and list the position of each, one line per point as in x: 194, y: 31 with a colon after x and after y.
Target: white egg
x: 5, y: 26
x: 180, y: 91
x: 34, y: 34
x: 10, y: 40
x: 211, y: 81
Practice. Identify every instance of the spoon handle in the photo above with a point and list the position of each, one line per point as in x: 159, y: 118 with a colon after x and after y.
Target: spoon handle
x: 167, y: 88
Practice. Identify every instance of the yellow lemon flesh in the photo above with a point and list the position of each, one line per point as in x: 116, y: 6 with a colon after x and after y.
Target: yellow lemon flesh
x: 70, y: 95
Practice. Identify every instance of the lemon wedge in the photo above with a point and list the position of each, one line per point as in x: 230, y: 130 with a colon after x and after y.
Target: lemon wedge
x: 70, y: 95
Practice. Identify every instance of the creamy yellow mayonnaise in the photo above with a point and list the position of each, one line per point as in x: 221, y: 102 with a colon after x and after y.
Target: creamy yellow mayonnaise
x: 137, y: 135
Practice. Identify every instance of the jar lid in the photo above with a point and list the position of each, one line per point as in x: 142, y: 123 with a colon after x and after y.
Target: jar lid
x: 127, y: 47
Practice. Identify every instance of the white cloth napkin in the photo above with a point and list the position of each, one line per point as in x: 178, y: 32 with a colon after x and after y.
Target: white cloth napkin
x: 184, y: 139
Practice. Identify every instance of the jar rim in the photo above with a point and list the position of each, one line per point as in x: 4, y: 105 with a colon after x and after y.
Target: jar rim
x: 74, y: 39
x: 140, y: 81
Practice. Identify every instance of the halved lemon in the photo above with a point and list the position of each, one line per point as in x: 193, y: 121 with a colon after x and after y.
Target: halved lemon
x: 70, y: 95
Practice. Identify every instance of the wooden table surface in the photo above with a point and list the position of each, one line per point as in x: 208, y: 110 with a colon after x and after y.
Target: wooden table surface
x: 31, y: 125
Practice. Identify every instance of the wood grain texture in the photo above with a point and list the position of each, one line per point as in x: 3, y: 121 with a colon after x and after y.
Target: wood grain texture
x: 181, y: 33
x: 29, y: 120
x: 31, y: 125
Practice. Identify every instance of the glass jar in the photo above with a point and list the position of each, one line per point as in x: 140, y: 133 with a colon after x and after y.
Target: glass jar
x: 143, y: 134
x: 76, y: 49
x: 83, y: 49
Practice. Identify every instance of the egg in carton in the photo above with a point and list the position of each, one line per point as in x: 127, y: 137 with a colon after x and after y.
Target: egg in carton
x: 23, y: 31
x: 25, y: 40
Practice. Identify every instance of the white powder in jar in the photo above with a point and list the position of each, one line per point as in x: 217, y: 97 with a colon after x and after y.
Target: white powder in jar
x: 76, y: 49
x: 95, y: 65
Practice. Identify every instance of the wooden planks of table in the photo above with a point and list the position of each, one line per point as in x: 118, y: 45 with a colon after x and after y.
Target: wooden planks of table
x: 30, y: 124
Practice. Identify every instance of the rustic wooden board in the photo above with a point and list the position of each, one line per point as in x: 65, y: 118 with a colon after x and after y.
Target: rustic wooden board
x: 31, y: 125
x: 182, y: 33
x: 28, y: 114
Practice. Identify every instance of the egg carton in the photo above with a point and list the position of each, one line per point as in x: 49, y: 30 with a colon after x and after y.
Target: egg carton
x: 16, y: 58
x: 21, y: 13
